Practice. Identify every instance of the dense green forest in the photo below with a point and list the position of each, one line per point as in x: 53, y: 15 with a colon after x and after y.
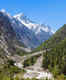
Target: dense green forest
x: 55, y: 59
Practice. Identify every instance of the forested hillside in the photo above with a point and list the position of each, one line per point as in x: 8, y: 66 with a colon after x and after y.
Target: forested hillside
x: 55, y: 59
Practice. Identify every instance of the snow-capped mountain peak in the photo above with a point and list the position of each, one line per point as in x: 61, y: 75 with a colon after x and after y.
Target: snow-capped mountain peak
x: 37, y: 28
x: 19, y: 15
x: 3, y: 11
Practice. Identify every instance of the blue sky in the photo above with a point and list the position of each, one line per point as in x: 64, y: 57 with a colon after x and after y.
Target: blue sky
x: 51, y: 12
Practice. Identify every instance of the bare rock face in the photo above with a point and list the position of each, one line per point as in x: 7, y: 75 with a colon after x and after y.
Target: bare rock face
x: 5, y: 27
x: 7, y: 35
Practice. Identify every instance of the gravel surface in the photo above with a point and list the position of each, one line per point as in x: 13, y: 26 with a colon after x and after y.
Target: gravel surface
x: 36, y: 71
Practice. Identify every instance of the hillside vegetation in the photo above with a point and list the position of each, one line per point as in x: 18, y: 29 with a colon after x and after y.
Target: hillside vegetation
x: 55, y: 59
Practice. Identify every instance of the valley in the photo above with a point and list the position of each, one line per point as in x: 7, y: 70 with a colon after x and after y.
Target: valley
x: 31, y: 51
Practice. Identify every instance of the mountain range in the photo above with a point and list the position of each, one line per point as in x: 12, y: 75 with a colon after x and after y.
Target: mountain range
x: 27, y: 32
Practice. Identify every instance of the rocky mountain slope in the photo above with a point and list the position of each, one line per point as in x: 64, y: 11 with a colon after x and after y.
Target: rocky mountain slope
x: 8, y: 39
